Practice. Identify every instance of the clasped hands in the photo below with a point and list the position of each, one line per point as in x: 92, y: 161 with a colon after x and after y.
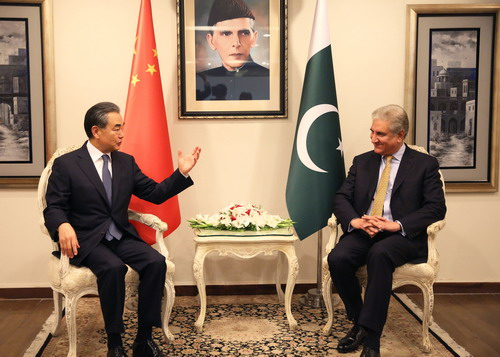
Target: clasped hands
x: 373, y: 225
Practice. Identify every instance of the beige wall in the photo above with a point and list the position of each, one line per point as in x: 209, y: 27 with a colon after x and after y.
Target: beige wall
x: 243, y: 160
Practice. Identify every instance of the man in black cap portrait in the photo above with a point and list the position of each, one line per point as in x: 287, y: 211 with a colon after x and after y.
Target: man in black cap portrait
x: 232, y: 35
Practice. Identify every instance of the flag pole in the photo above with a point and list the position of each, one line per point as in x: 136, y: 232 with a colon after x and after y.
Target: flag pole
x: 314, y: 297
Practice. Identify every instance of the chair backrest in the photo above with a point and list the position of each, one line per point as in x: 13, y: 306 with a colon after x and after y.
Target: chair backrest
x: 432, y: 253
x: 421, y: 149
x: 42, y: 184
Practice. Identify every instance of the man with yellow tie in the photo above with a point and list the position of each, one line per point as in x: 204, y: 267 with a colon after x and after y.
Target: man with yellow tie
x: 390, y: 196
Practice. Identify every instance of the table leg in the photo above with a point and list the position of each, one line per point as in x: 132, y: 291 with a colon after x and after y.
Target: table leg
x: 279, y: 290
x: 198, y: 266
x: 293, y: 269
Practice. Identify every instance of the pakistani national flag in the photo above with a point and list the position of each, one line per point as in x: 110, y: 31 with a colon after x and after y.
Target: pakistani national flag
x: 317, y: 165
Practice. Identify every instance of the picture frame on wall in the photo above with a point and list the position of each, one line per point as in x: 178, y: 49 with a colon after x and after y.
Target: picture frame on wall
x: 232, y: 59
x: 452, y: 89
x: 27, y: 108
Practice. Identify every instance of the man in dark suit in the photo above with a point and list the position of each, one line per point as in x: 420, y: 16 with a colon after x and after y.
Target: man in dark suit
x: 88, y: 195
x: 384, y: 215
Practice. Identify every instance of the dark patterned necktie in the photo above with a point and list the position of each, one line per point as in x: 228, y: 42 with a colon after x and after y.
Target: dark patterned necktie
x: 113, y: 231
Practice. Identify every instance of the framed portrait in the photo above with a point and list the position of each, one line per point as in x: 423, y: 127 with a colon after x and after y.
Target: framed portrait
x: 452, y: 90
x: 27, y: 108
x: 232, y: 58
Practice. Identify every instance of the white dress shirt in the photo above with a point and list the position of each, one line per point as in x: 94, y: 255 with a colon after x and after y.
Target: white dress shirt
x: 96, y: 156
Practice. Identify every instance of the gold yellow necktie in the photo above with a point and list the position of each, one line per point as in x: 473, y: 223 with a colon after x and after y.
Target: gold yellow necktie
x: 378, y: 202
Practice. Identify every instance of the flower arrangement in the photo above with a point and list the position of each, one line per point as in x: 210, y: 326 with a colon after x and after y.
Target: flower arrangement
x: 240, y: 217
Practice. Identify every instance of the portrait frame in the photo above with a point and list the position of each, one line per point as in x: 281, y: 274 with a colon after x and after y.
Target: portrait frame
x: 40, y: 93
x: 270, y: 52
x: 472, y: 164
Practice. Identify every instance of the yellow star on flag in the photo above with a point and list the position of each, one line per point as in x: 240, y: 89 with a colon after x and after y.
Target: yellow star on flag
x: 135, y: 79
x: 151, y: 69
x: 155, y: 52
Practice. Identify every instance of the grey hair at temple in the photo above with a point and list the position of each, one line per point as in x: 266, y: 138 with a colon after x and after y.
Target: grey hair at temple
x: 98, y: 115
x: 395, y: 115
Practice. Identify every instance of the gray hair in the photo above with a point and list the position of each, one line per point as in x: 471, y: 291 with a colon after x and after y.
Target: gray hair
x: 97, y: 115
x: 395, y: 115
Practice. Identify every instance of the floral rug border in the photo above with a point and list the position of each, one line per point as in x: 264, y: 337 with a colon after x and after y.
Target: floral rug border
x: 441, y: 335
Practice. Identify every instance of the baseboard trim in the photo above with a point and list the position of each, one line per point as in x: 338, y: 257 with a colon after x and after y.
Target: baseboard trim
x: 258, y: 289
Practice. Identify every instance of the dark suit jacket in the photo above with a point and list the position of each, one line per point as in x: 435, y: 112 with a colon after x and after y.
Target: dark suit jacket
x: 417, y: 196
x: 75, y: 194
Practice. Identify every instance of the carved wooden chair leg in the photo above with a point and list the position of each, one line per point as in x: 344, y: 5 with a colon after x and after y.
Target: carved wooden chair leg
x: 428, y: 296
x: 58, y: 308
x: 328, y: 299
x: 168, y: 304
x: 71, y: 302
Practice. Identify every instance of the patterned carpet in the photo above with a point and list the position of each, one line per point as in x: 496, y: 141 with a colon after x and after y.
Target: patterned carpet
x: 244, y: 326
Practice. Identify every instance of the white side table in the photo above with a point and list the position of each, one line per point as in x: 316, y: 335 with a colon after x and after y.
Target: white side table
x: 247, y: 245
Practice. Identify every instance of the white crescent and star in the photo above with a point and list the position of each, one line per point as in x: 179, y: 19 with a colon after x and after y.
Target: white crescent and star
x: 307, y: 121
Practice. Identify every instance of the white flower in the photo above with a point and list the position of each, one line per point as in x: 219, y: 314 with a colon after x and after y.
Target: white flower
x: 225, y: 220
x: 213, y: 220
x: 272, y: 221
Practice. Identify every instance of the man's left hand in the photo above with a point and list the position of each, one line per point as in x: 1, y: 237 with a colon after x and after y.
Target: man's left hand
x: 186, y: 163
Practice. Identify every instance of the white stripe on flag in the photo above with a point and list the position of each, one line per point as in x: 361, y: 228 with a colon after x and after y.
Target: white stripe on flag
x: 320, y: 35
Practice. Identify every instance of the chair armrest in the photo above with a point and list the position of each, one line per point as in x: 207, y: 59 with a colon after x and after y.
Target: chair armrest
x: 332, y: 241
x: 432, y: 231
x: 154, y: 222
x: 148, y: 219
x: 435, y: 227
x: 63, y: 266
x: 63, y: 259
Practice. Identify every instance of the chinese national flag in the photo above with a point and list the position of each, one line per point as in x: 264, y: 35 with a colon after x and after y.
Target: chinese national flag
x: 146, y: 130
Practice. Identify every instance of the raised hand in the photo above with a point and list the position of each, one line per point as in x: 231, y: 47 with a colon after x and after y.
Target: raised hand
x: 186, y: 163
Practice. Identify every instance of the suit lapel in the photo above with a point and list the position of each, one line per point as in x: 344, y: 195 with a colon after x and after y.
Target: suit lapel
x: 88, y: 168
x: 404, y: 168
x: 372, y: 176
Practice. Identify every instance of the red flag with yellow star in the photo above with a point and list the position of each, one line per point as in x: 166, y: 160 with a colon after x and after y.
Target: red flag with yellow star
x: 146, y: 130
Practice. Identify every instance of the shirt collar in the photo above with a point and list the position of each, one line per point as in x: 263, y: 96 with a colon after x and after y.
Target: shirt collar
x: 398, y: 155
x: 95, y: 153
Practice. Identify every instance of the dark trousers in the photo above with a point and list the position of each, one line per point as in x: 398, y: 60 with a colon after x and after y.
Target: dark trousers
x: 382, y: 255
x: 107, y: 261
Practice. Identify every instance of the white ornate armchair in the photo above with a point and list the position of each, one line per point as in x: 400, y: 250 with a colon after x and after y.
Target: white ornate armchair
x: 74, y: 282
x: 421, y: 275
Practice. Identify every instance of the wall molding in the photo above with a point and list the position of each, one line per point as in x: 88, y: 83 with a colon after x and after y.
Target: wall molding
x: 264, y: 289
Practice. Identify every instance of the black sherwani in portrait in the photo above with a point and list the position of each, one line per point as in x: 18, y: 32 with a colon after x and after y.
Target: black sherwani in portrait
x: 417, y: 200
x: 76, y: 194
x: 251, y: 82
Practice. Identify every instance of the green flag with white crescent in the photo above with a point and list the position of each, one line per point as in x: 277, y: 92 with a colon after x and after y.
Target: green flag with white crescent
x: 317, y: 164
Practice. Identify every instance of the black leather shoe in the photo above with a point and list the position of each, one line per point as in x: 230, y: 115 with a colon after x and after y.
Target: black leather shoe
x: 146, y: 349
x: 369, y: 352
x: 116, y: 352
x: 352, y: 340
